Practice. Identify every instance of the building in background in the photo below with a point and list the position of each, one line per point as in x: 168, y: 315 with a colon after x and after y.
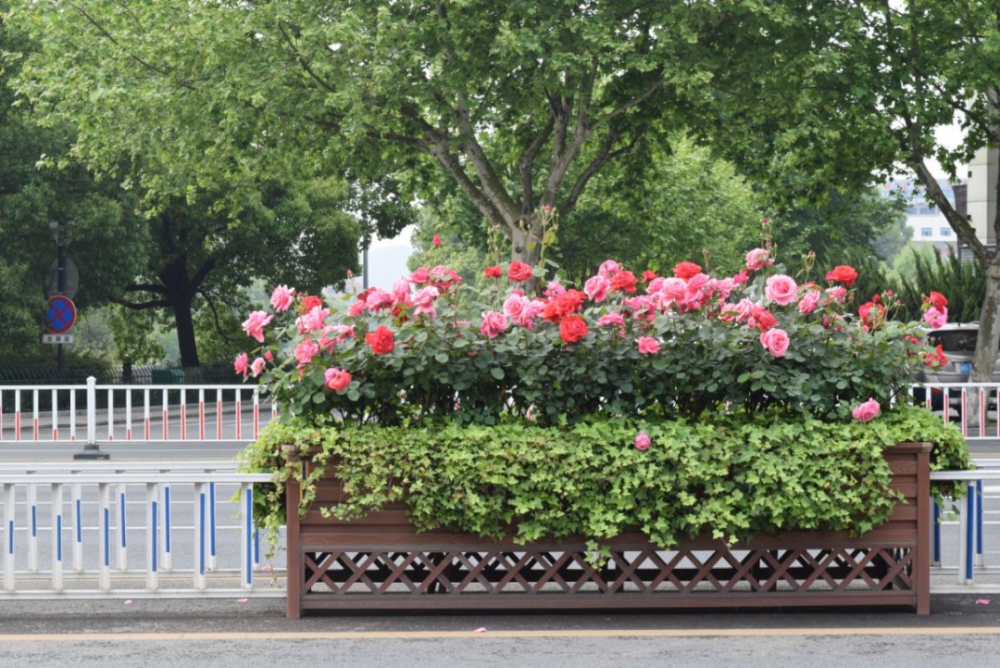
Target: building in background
x: 981, y: 207
x: 928, y: 224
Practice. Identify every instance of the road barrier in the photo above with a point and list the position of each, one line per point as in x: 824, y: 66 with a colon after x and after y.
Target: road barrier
x: 95, y: 413
x: 67, y: 571
x: 973, y: 407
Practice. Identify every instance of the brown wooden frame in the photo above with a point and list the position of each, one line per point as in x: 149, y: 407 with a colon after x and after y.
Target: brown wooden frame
x: 382, y: 563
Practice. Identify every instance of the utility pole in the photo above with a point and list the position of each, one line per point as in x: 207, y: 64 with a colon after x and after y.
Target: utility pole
x: 364, y: 266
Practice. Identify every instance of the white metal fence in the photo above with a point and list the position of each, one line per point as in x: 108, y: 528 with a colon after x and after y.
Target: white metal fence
x: 75, y: 536
x: 973, y: 407
x: 149, y: 413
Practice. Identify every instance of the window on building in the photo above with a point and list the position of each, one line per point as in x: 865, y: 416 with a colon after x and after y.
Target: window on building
x: 926, y: 231
x: 945, y: 231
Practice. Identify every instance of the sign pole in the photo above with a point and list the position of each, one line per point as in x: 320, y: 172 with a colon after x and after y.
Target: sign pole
x: 62, y: 290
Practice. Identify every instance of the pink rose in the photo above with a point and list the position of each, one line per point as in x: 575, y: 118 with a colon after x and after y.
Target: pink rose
x: 255, y: 324
x: 514, y: 305
x: 642, y: 441
x: 424, y: 301
x: 697, y: 282
x: 597, y: 288
x: 781, y: 289
x: 741, y: 278
x: 675, y: 289
x: 305, y: 351
x: 643, y: 306
x: 312, y: 321
x: 258, y: 366
x: 240, y: 364
x: 608, y: 268
x: 436, y: 240
x: 339, y: 333
x: 281, y: 298
x: 554, y: 289
x: 744, y: 310
x: 809, y: 302
x: 494, y: 324
x: 530, y: 310
x: 648, y: 345
x: 758, y: 258
x: 723, y: 287
x: 867, y: 411
x: 776, y: 341
x: 421, y: 275
x: 729, y: 312
x: 936, y: 318
x: 378, y: 299
x: 655, y: 286
x: 837, y: 293
x: 337, y: 379
x: 613, y: 319
x: 400, y: 291
x: 355, y: 309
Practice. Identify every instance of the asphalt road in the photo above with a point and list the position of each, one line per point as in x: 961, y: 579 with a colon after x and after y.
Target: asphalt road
x: 186, y: 633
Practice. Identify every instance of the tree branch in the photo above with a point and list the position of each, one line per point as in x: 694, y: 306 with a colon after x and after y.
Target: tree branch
x: 958, y: 222
x: 145, y: 306
x: 146, y: 287
x: 302, y: 61
x: 202, y: 273
x: 527, y: 161
x: 605, y: 156
x: 136, y: 59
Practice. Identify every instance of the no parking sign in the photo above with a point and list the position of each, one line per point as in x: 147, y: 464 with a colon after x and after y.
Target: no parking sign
x: 61, y: 315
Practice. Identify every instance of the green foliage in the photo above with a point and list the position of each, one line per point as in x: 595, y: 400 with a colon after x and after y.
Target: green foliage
x: 516, y: 104
x: 841, y: 228
x: 734, y: 477
x: 105, y: 243
x: 963, y: 283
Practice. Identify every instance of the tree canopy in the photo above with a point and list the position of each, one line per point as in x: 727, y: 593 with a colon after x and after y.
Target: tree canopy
x: 519, y: 104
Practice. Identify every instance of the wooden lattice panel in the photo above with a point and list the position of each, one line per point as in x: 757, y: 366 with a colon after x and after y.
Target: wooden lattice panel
x: 382, y: 563
x: 762, y: 572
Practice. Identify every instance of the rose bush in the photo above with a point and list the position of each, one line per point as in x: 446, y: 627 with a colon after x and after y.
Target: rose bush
x: 682, y: 405
x: 678, y: 346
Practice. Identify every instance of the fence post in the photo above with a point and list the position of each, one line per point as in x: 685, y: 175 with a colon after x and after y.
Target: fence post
x: 91, y: 450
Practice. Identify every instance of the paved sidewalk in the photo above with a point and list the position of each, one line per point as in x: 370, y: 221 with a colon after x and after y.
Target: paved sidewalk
x: 228, y: 633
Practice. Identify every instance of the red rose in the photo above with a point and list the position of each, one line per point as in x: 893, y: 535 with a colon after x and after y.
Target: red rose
x: 940, y: 359
x: 648, y: 276
x: 764, y: 319
x: 686, y: 270
x: 309, y: 302
x: 559, y: 307
x: 382, y: 340
x: 842, y: 274
x: 623, y: 281
x: 572, y: 329
x: 519, y: 271
x: 493, y: 272
x: 937, y: 300
x: 872, y: 314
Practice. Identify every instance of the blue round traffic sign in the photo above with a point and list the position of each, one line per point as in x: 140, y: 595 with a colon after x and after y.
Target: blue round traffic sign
x: 61, y: 315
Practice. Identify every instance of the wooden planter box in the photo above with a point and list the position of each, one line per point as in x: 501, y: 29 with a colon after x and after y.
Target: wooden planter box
x: 382, y: 563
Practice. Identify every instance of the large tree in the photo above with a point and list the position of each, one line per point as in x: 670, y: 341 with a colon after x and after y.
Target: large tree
x: 106, y: 241
x: 856, y: 86
x: 201, y: 255
x: 519, y: 103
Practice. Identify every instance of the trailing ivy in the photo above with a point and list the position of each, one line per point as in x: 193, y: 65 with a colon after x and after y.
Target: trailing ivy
x: 746, y: 475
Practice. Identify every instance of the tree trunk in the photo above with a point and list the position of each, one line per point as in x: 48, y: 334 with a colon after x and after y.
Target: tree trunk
x: 988, y: 341
x: 526, y: 246
x: 186, y: 340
